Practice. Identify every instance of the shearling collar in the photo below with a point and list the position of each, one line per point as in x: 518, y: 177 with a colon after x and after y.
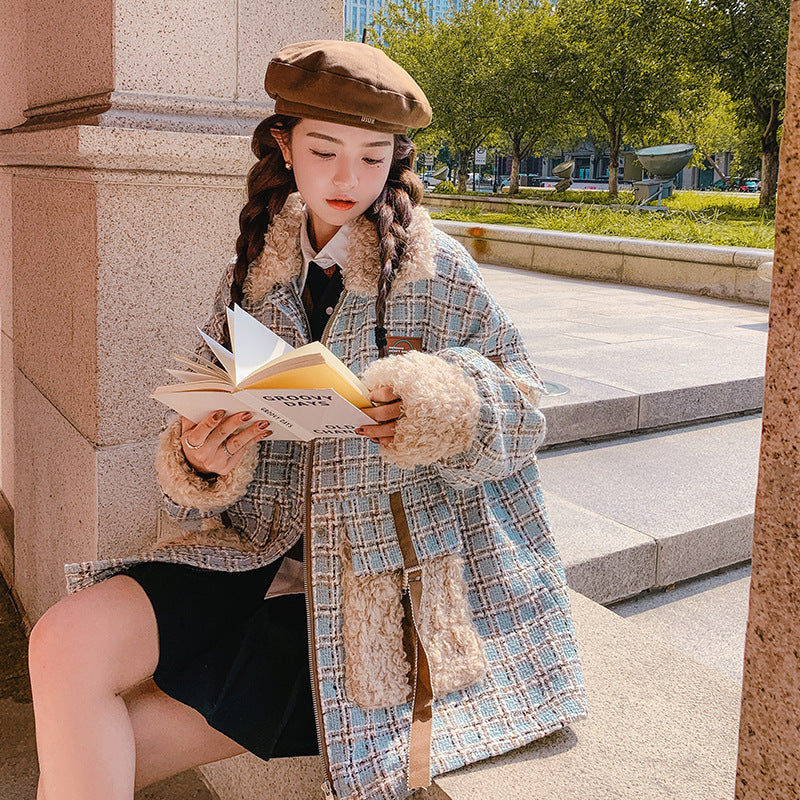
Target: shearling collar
x: 281, y: 260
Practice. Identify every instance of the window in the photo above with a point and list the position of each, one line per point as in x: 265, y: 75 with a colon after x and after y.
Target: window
x: 583, y: 168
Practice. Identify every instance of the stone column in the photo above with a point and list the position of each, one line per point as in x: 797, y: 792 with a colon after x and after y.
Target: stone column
x: 769, y: 735
x: 124, y: 148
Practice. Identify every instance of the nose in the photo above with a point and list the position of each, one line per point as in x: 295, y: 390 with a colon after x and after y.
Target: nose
x: 344, y: 176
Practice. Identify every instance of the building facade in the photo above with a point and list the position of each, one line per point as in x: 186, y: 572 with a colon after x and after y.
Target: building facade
x: 358, y: 13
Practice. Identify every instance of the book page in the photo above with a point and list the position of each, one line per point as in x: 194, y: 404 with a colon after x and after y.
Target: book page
x: 224, y: 356
x: 314, y: 377
x: 197, y: 363
x: 187, y: 376
x: 254, y: 345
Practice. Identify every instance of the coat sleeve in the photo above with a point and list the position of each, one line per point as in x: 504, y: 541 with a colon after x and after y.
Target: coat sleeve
x: 470, y: 407
x: 189, y: 497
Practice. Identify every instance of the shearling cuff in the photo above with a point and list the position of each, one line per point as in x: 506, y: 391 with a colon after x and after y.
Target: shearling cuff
x: 441, y: 407
x: 376, y: 668
x: 454, y: 649
x: 182, y: 484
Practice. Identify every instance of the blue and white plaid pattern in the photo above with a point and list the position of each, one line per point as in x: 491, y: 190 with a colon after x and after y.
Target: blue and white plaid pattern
x: 485, y: 503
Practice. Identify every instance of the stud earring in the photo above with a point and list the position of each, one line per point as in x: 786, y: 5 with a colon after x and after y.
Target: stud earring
x: 288, y: 165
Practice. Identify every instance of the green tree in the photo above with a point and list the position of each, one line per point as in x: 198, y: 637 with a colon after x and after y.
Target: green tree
x: 744, y: 41
x: 453, y: 61
x: 531, y: 101
x: 624, y: 62
x: 712, y: 121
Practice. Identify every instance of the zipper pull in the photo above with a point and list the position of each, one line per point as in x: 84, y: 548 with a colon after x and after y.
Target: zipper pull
x: 327, y: 791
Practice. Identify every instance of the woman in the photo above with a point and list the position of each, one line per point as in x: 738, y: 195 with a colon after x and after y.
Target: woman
x: 438, y: 621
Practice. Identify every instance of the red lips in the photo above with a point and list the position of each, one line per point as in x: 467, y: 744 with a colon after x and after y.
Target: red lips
x: 341, y: 205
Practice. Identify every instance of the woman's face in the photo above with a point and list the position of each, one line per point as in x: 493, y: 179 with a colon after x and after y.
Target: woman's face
x: 339, y: 170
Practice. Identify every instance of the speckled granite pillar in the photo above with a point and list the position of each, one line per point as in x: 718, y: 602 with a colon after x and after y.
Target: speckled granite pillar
x: 124, y: 144
x: 769, y: 737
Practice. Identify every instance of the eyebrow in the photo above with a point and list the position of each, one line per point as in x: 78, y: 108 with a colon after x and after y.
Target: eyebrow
x: 380, y: 143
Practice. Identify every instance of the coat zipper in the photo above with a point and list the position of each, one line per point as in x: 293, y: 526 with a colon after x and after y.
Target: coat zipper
x: 327, y: 786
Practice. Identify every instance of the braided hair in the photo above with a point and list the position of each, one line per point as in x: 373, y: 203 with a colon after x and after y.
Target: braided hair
x: 391, y: 213
x: 269, y: 184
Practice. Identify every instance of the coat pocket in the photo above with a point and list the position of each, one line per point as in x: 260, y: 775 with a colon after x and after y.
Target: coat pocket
x: 376, y: 666
x: 454, y: 649
x: 379, y: 556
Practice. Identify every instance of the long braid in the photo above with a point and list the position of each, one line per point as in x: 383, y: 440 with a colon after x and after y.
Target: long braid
x: 269, y: 183
x: 392, y: 214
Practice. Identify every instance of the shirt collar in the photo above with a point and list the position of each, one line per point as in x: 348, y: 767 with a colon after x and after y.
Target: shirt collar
x: 334, y: 252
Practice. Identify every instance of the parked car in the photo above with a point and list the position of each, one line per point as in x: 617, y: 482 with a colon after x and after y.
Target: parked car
x: 735, y: 185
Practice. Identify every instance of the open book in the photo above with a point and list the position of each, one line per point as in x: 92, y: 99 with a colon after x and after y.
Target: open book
x: 304, y: 393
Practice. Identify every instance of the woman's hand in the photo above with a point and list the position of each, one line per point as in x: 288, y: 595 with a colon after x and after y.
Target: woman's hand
x: 215, y: 445
x: 385, y: 415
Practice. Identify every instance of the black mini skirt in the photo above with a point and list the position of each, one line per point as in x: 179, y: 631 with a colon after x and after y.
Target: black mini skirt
x: 238, y: 659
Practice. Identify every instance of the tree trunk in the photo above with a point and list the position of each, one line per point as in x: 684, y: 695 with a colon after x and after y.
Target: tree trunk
x: 463, y: 170
x: 770, y: 150
x: 513, y: 181
x: 713, y: 164
x: 615, y: 143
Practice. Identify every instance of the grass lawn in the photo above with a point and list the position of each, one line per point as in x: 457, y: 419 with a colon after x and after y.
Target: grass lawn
x: 696, y: 217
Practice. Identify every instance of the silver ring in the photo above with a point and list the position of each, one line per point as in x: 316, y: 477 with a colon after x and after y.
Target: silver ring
x: 225, y: 448
x: 192, y: 446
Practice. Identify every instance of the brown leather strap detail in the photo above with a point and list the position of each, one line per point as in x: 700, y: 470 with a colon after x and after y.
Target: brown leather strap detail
x: 419, y: 743
x: 403, y: 533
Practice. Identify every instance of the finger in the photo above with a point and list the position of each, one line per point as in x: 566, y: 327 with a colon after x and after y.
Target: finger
x: 245, y: 437
x: 377, y: 431
x: 383, y: 394
x: 385, y: 413
x: 228, y: 426
x: 196, y: 437
x: 385, y: 440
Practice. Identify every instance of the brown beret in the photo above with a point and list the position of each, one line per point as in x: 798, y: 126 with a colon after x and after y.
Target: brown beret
x: 346, y: 82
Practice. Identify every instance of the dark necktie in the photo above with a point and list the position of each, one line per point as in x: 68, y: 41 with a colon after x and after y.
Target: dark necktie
x: 320, y: 295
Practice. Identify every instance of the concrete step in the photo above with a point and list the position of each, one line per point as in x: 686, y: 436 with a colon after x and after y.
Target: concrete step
x: 632, y: 358
x: 705, y: 618
x: 654, y: 509
x: 660, y: 727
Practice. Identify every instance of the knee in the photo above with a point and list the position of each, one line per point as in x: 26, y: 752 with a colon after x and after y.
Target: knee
x: 105, y: 636
x: 53, y: 642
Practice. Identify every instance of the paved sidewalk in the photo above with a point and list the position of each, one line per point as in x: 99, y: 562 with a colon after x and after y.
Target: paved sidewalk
x: 630, y: 357
x: 705, y: 618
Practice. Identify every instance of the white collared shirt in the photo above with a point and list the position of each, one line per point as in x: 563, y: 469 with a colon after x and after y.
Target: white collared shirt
x: 334, y: 252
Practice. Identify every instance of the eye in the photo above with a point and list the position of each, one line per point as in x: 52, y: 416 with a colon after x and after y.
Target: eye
x: 374, y: 161
x: 322, y: 155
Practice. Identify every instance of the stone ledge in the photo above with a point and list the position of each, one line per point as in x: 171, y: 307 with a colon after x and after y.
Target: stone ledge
x: 725, y: 272
x: 660, y: 726
x: 128, y: 150
x: 641, y: 513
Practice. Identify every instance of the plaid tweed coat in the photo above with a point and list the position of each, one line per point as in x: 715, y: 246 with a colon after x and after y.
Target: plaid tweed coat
x: 461, y: 480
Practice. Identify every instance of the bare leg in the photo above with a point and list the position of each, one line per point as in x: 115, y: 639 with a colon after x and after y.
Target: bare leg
x: 85, y: 653
x: 170, y: 736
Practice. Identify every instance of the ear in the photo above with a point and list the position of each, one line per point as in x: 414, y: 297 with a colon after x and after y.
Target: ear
x: 283, y: 138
